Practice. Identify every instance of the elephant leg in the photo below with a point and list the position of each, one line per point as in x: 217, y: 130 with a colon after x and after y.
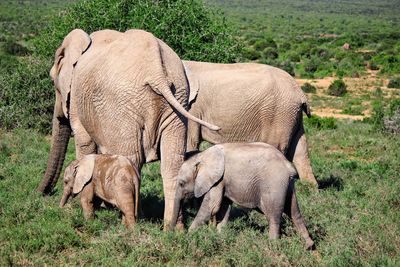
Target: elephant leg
x: 125, y: 203
x: 293, y: 211
x: 172, y: 149
x: 298, y: 154
x: 223, y: 213
x: 193, y: 136
x: 84, y: 144
x: 272, y: 205
x: 87, y: 196
x: 209, y: 207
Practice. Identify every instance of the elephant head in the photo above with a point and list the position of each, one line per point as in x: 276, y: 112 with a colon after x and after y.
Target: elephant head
x: 199, y: 174
x: 76, y: 176
x: 66, y: 57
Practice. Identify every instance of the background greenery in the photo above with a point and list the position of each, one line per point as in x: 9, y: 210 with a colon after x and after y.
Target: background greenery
x: 354, y: 217
x: 305, y: 37
x: 192, y: 29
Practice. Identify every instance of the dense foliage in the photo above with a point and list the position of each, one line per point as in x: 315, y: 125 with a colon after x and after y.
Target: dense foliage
x: 192, y: 29
x: 394, y: 83
x: 337, y: 88
x: 308, y: 88
x: 310, y: 35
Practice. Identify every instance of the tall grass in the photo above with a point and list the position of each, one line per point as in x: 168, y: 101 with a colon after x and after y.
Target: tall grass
x: 354, y: 217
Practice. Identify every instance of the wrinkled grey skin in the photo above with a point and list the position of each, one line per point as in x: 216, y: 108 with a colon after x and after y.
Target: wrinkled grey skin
x: 251, y: 103
x: 120, y: 94
x: 109, y: 177
x: 252, y: 175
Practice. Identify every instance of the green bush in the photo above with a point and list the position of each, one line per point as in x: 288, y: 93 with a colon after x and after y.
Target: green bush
x: 264, y: 43
x: 251, y: 54
x: 287, y: 66
x: 311, y: 65
x: 373, y: 65
x: 27, y: 96
x: 394, y: 83
x: 386, y: 119
x: 293, y: 57
x: 308, y: 88
x: 270, y: 52
x: 320, y: 123
x: 12, y: 47
x: 192, y: 29
x: 337, y: 88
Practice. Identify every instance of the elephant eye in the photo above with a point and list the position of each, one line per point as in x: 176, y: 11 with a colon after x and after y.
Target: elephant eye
x: 181, y: 183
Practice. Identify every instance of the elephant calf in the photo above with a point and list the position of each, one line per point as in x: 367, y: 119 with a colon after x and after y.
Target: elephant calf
x: 253, y: 175
x: 109, y: 177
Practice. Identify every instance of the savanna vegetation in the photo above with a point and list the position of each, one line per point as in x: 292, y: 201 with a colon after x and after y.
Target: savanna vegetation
x: 354, y: 216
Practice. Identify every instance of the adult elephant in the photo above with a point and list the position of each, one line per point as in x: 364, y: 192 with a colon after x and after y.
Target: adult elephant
x: 251, y: 103
x: 120, y: 93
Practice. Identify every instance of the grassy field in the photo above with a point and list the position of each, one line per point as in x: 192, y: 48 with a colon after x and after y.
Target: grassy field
x: 354, y: 217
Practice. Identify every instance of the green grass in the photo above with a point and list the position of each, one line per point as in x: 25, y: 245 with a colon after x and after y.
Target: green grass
x: 310, y: 34
x: 354, y: 218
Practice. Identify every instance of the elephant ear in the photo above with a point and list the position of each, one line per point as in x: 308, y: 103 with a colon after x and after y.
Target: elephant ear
x: 194, y: 83
x: 210, y: 170
x: 66, y: 57
x: 84, y: 173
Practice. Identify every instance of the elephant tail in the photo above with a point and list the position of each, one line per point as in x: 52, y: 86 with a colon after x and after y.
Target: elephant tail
x: 137, y: 198
x: 306, y: 108
x: 165, y: 91
x: 305, y: 105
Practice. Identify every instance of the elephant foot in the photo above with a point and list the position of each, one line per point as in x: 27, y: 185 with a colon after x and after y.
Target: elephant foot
x: 180, y: 226
x: 310, y: 245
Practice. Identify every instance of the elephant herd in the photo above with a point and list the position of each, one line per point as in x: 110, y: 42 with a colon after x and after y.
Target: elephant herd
x: 129, y: 97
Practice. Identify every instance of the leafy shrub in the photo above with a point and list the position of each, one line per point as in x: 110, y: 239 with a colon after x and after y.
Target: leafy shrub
x: 320, y: 52
x: 337, y: 88
x: 287, y: 66
x: 251, y: 54
x: 14, y: 48
x: 394, y: 83
x: 392, y: 119
x: 308, y: 88
x: 372, y: 65
x: 193, y: 30
x: 264, y: 43
x: 377, y: 115
x: 27, y: 96
x: 285, y: 46
x: 270, y: 52
x: 387, y: 120
x: 311, y: 65
x: 320, y: 123
x: 293, y: 57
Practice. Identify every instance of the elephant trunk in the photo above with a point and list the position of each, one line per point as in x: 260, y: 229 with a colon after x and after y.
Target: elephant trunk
x: 61, y: 132
x: 167, y: 94
x: 64, y: 198
x: 175, y: 212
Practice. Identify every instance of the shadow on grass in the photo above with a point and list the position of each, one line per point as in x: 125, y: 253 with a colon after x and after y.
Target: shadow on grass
x: 151, y: 208
x: 332, y: 182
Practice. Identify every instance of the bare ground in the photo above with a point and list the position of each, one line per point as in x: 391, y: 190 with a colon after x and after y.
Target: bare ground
x: 357, y: 87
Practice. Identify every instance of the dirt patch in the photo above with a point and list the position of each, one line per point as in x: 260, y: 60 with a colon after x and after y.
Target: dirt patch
x: 335, y: 113
x: 361, y: 88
